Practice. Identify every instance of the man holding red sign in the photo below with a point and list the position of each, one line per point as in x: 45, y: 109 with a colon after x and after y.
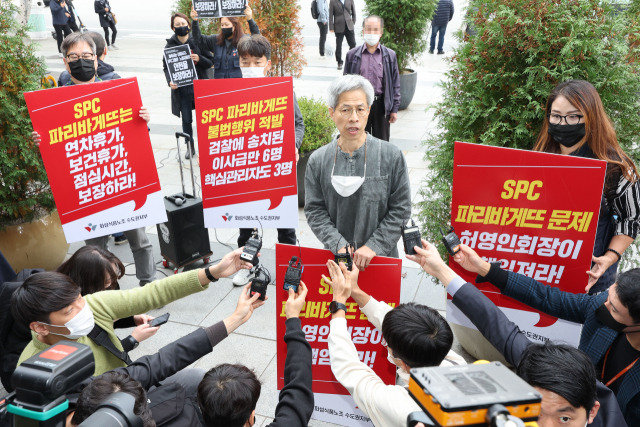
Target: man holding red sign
x: 81, y: 62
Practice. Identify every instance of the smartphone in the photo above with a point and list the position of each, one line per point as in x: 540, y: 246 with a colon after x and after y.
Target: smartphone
x: 160, y: 320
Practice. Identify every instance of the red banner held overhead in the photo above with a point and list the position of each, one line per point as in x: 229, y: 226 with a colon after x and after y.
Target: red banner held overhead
x: 535, y: 213
x: 98, y: 156
x: 315, y: 317
x: 247, y: 152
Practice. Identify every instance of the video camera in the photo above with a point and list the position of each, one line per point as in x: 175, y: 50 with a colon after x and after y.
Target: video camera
x: 477, y: 395
x: 40, y: 384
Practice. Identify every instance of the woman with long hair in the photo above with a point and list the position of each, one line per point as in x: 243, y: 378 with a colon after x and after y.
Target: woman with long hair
x: 224, y: 45
x: 577, y: 125
x: 182, y: 98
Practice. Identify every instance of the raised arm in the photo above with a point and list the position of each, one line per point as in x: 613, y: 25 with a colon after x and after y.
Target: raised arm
x: 295, y: 402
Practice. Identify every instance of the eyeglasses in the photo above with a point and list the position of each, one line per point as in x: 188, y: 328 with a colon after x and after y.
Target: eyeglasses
x: 346, y: 112
x: 74, y: 57
x: 570, y: 119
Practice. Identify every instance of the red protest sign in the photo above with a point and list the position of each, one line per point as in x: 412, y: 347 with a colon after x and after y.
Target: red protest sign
x: 97, y: 153
x: 315, y: 315
x: 247, y: 152
x: 535, y: 213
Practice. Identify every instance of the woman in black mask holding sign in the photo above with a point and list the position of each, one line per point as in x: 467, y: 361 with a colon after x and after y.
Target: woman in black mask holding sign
x: 577, y: 125
x: 224, y: 45
x: 182, y: 101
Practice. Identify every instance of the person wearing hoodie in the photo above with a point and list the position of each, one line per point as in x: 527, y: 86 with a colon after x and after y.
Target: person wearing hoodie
x: 105, y: 71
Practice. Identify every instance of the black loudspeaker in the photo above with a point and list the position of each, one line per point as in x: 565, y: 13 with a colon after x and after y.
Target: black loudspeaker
x: 183, y: 238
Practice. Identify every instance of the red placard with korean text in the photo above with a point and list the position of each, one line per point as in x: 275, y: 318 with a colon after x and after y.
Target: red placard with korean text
x: 247, y: 152
x: 98, y: 156
x: 382, y: 280
x: 535, y: 213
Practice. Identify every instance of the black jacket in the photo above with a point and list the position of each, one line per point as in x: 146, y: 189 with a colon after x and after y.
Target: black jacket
x: 105, y: 72
x: 14, y: 336
x: 205, y: 62
x: 390, y: 75
x: 170, y: 405
x: 105, y: 17
x: 507, y: 339
x: 226, y: 62
x: 443, y: 13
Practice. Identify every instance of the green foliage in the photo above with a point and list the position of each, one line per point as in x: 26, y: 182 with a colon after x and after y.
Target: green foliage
x: 24, y: 187
x: 405, y: 24
x: 279, y: 23
x: 499, y: 80
x: 318, y: 125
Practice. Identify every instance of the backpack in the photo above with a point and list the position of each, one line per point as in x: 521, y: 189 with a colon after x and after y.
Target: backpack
x: 314, y: 9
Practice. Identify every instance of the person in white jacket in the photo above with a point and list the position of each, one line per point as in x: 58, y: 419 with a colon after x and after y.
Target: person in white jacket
x: 416, y: 336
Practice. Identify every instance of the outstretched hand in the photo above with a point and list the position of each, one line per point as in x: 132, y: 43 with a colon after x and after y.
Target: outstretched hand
x: 428, y: 257
x: 230, y: 264
x: 471, y: 261
x: 338, y: 282
x: 295, y: 302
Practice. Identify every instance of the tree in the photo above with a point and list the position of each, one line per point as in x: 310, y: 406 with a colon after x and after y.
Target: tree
x: 24, y: 188
x: 279, y: 23
x: 499, y: 80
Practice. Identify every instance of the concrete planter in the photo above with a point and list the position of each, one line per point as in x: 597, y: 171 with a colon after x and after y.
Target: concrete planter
x: 37, y: 244
x: 408, y: 83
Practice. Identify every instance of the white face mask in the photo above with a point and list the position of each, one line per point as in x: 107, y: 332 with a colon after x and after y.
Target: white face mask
x: 371, y: 39
x: 79, y: 326
x: 252, y: 72
x: 347, y: 185
x: 404, y: 376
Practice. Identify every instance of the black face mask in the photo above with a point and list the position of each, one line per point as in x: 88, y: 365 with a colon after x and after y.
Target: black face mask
x: 82, y: 69
x: 181, y: 31
x: 227, y: 32
x: 567, y: 135
x: 604, y: 316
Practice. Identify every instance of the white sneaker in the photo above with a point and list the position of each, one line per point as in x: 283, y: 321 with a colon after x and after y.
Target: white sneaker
x: 113, y: 46
x: 242, y: 277
x: 60, y: 55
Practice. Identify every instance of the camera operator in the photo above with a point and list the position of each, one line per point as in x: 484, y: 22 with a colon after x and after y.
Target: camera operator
x: 173, y: 402
x: 187, y: 399
x: 564, y: 375
x: 51, y: 305
x: 228, y: 394
x: 416, y: 335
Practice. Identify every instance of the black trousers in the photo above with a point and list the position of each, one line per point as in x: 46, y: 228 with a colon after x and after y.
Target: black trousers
x: 323, y: 26
x: 285, y: 235
x: 60, y: 29
x: 378, y: 124
x: 351, y: 41
x: 106, y: 33
x: 73, y: 26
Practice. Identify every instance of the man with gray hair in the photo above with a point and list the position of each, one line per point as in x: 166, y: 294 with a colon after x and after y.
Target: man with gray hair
x: 105, y: 71
x: 356, y: 187
x: 81, y: 62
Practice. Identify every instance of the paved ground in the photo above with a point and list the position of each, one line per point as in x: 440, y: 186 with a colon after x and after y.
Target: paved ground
x: 254, y: 344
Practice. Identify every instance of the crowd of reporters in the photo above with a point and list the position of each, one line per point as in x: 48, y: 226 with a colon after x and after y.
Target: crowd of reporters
x: 357, y: 190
